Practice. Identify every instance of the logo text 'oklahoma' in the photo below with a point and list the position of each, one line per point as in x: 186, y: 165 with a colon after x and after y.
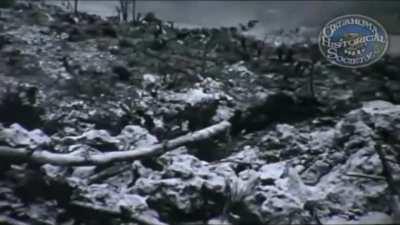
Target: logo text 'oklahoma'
x: 353, y: 41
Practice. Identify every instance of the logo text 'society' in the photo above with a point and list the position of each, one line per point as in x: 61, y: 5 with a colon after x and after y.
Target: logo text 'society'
x: 353, y: 41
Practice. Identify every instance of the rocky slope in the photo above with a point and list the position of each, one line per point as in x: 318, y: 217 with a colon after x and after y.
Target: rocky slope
x: 78, y: 83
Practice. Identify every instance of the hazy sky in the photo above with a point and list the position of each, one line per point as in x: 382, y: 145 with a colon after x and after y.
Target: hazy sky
x: 272, y: 14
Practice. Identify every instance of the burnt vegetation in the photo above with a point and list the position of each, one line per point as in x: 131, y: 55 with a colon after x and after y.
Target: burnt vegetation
x: 90, y: 86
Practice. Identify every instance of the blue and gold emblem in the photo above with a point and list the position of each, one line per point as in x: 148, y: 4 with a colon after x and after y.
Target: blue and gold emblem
x: 353, y: 41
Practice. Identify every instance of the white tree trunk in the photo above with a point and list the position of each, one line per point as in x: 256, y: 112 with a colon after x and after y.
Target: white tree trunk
x: 84, y: 159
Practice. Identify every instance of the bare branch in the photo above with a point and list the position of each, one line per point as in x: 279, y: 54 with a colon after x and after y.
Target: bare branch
x: 361, y: 175
x: 84, y: 159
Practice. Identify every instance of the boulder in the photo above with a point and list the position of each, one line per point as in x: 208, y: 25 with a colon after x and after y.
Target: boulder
x: 132, y: 137
x: 182, y: 186
x: 98, y: 139
x: 17, y: 136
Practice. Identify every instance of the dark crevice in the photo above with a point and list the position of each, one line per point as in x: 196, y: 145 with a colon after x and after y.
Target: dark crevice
x: 280, y: 108
x: 19, y: 106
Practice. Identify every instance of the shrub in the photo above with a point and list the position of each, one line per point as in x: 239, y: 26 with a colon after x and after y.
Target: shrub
x: 126, y: 43
x: 40, y: 17
x: 7, y: 3
x: 18, y: 104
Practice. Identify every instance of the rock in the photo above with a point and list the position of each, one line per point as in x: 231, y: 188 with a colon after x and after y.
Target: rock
x: 280, y: 196
x: 369, y: 218
x: 41, y: 18
x: 248, y: 158
x: 193, y: 96
x: 239, y: 69
x: 289, y: 134
x: 223, y: 113
x: 275, y: 199
x: 150, y: 81
x: 105, y: 196
x: 321, y: 141
x: 181, y: 187
x: 352, y: 134
x: 270, y: 173
x: 132, y: 137
x: 288, y: 140
x: 99, y: 139
x: 340, y: 100
x: 218, y: 221
x: 17, y: 136
x: 383, y: 116
x: 198, y: 109
x: 313, y: 174
x: 134, y: 204
x: 337, y: 158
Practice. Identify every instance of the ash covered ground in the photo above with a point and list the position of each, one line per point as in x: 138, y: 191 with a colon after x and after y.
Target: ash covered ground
x: 309, y: 143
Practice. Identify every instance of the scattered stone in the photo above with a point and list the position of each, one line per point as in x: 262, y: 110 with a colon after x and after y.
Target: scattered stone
x: 17, y: 136
x: 288, y: 159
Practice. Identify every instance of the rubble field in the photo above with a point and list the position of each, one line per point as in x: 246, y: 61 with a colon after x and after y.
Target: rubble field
x: 308, y: 143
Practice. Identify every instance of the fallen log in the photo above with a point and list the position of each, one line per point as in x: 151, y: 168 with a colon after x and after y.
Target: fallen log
x: 86, y: 159
x: 119, y: 213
